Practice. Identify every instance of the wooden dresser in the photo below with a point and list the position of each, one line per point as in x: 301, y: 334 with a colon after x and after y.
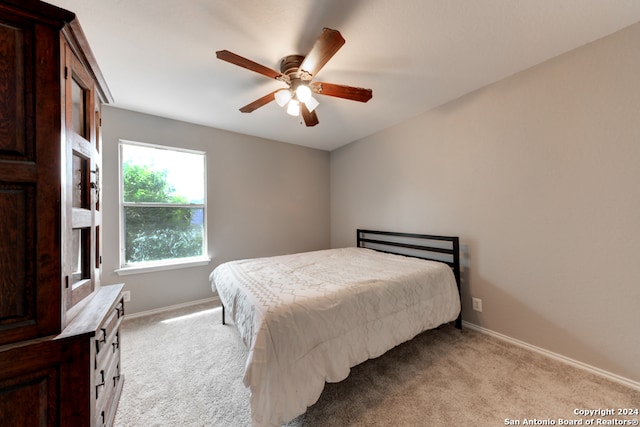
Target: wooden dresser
x: 98, y: 326
x: 59, y: 327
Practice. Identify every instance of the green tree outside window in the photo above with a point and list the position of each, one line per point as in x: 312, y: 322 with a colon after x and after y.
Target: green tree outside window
x: 161, y: 232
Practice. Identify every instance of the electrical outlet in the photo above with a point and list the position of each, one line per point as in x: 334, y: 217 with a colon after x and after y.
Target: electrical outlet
x: 477, y: 304
x: 126, y: 296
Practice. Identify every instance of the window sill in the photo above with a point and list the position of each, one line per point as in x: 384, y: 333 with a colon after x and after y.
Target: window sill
x: 165, y: 265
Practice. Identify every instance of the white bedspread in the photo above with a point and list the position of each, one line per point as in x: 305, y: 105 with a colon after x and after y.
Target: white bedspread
x: 307, y: 318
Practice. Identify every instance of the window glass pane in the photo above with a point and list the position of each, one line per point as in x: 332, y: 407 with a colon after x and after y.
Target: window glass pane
x: 161, y: 233
x: 80, y: 197
x: 76, y: 262
x: 81, y: 238
x: 77, y: 108
x: 163, y: 203
x: 162, y: 175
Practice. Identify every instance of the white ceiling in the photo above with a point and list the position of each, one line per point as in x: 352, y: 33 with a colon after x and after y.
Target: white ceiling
x: 158, y: 56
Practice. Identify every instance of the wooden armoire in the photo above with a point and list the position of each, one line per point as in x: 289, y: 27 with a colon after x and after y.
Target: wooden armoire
x: 59, y: 328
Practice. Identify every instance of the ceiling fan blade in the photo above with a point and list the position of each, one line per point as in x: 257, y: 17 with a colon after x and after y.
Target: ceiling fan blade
x: 341, y: 91
x: 310, y: 117
x: 259, y: 102
x: 231, y: 57
x: 329, y: 42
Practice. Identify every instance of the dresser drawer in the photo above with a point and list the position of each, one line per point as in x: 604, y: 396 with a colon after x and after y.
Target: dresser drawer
x: 109, y: 327
x: 110, y: 357
x: 107, y: 378
x: 107, y: 403
x: 108, y: 348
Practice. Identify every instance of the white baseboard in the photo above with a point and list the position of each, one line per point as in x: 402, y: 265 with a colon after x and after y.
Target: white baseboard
x: 592, y: 369
x: 171, y: 307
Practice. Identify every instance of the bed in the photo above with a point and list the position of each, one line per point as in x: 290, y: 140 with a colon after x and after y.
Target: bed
x: 307, y: 318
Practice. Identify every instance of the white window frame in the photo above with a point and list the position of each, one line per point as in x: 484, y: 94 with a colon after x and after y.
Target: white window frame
x: 169, y: 264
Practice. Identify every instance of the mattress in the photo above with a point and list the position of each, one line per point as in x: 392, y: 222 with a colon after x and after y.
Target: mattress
x: 307, y: 318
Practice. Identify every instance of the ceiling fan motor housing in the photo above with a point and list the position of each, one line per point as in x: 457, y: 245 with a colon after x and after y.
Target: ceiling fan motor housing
x: 290, y: 65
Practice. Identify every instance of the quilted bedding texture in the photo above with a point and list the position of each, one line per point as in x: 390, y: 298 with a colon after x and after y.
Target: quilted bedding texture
x: 307, y: 318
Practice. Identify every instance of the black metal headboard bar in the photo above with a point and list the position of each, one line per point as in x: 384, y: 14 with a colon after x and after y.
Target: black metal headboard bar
x: 424, y: 248
x: 399, y: 234
x: 408, y: 246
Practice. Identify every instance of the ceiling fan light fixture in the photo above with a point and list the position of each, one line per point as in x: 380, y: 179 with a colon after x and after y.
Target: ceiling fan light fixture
x: 311, y: 103
x: 303, y: 93
x: 298, y: 71
x: 293, y: 108
x: 282, y: 97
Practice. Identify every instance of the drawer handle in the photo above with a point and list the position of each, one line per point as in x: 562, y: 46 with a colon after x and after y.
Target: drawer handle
x: 116, y: 342
x: 102, y: 384
x: 102, y: 340
x: 116, y: 377
x: 120, y: 310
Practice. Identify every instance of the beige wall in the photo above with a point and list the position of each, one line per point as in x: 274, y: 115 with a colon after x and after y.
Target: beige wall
x: 264, y: 198
x: 539, y: 174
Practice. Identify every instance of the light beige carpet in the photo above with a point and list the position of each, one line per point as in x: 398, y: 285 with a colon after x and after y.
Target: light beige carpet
x: 183, y: 368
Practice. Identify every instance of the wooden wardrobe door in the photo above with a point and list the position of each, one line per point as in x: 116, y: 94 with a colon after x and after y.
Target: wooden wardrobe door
x: 81, y: 220
x: 29, y: 180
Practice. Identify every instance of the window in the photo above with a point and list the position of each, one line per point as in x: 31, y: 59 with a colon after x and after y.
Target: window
x: 162, y: 205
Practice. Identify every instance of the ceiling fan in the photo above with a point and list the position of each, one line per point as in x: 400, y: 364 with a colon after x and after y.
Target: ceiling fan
x: 297, y: 72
